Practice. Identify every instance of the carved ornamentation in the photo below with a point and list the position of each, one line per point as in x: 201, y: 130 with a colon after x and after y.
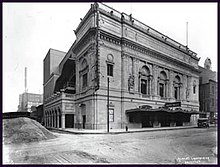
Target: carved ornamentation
x: 131, y: 82
x: 187, y: 92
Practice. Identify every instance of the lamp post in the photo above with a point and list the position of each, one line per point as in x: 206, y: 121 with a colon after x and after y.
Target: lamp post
x: 108, y: 106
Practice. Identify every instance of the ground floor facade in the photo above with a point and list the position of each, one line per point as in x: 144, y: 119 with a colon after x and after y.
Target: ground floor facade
x: 65, y: 110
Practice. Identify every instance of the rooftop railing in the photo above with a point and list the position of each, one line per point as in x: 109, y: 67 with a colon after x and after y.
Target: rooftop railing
x: 147, y: 29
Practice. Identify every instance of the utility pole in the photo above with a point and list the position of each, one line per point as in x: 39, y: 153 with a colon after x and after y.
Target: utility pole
x: 187, y: 33
x: 108, y: 106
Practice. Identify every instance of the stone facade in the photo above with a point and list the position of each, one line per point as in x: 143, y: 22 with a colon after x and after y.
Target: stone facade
x: 144, y: 67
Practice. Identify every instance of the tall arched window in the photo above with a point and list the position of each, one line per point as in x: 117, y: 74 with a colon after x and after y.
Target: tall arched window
x: 145, y: 81
x: 84, y: 73
x: 110, y: 65
x: 162, y: 85
x: 177, y: 85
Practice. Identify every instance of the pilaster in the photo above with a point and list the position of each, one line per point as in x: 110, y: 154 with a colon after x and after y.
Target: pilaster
x: 171, y: 90
x: 136, y: 70
x: 154, y: 81
x: 58, y: 120
x: 184, y: 81
x: 63, y: 121
x: 77, y: 77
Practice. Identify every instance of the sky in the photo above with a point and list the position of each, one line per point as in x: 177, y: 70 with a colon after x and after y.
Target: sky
x: 31, y: 29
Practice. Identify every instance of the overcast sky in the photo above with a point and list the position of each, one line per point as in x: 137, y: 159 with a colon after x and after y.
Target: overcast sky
x: 30, y: 29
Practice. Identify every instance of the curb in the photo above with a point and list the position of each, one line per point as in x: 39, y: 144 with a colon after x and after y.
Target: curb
x: 122, y: 132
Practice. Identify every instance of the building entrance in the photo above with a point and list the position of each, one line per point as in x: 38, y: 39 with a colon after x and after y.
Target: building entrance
x: 84, y: 121
x: 69, y: 121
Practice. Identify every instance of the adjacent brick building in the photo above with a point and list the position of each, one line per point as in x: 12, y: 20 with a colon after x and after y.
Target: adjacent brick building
x: 208, y: 91
x: 27, y: 100
x: 146, y: 70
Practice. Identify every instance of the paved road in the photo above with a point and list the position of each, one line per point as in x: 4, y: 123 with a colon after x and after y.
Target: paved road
x: 159, y: 147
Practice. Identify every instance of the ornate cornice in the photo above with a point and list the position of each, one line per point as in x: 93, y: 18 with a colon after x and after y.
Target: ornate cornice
x: 88, y: 37
x: 110, y: 38
x: 88, y: 14
x: 140, y: 48
x: 123, y: 18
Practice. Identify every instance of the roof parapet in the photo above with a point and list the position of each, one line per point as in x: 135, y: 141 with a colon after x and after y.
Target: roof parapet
x: 147, y: 29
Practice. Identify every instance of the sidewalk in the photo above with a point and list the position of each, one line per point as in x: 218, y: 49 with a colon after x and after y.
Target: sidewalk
x: 118, y: 131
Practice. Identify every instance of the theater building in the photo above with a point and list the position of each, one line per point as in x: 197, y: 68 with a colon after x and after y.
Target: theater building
x: 150, y: 79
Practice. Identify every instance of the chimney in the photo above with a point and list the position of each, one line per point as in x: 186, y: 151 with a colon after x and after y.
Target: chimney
x: 25, y: 79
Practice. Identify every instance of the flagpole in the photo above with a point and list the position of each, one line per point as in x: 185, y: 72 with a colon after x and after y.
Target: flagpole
x: 187, y: 33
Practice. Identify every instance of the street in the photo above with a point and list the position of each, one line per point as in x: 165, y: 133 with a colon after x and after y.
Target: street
x: 158, y: 147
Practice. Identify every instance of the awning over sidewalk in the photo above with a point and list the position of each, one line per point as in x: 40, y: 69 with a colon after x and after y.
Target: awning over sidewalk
x: 147, y: 110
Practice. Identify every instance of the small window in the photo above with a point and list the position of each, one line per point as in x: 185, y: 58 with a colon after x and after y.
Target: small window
x: 84, y: 80
x: 110, y: 70
x: 213, y: 90
x: 194, y: 89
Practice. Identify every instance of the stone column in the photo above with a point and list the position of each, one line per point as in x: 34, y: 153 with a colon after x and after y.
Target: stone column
x: 45, y: 118
x: 189, y: 81
x: 63, y: 120
x: 147, y: 85
x: 48, y: 120
x: 51, y: 119
x: 55, y: 119
x: 136, y: 74
x: 77, y: 76
x: 167, y: 88
x: 150, y: 82
x: 58, y: 119
x: 154, y: 80
x: 171, y: 86
x: 124, y: 71
x: 184, y: 81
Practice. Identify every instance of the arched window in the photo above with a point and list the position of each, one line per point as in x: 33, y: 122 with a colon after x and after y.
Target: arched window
x: 84, y: 64
x: 162, y: 85
x: 177, y: 85
x: 145, y: 81
x: 110, y: 65
x: 84, y: 73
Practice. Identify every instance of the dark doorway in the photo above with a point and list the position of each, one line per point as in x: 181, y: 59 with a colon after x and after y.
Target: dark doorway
x: 84, y: 121
x: 69, y: 121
